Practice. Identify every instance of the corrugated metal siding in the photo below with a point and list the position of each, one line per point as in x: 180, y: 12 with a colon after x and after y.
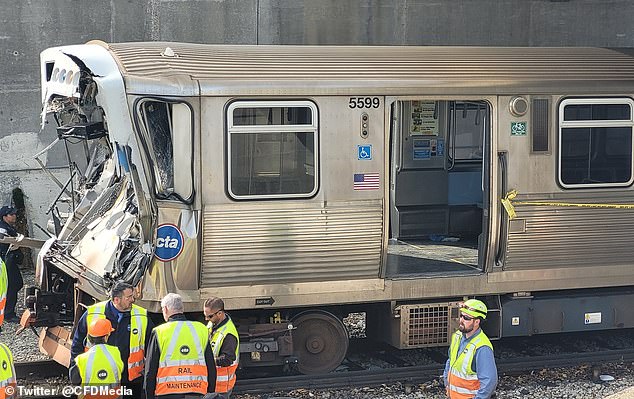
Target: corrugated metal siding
x: 284, y: 243
x: 367, y: 63
x: 571, y: 237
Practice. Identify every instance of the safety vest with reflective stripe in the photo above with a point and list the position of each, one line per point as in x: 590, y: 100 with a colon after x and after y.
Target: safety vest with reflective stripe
x: 7, y: 374
x: 225, y: 376
x: 138, y: 329
x: 462, y: 381
x: 4, y: 285
x: 100, y: 366
x: 182, y: 367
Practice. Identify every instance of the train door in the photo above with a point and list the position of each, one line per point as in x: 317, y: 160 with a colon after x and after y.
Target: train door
x: 438, y: 187
x: 167, y: 128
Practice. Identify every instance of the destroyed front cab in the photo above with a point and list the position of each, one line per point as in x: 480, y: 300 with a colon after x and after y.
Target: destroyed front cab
x: 105, y: 216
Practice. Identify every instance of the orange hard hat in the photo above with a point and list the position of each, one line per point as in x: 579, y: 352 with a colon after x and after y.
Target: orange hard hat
x: 100, y: 328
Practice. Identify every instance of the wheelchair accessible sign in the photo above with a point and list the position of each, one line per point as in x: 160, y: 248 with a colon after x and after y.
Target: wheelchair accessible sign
x: 169, y: 242
x: 364, y: 152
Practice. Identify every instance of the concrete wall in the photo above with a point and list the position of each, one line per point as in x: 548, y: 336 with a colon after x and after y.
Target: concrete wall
x: 29, y: 26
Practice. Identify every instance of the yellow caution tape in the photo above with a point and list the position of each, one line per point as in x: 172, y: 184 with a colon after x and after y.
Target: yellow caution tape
x: 508, y: 204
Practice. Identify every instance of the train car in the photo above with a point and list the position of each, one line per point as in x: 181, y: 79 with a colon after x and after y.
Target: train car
x: 303, y: 183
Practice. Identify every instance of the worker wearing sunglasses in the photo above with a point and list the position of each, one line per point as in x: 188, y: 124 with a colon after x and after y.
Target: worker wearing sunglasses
x: 225, y: 343
x: 470, y: 371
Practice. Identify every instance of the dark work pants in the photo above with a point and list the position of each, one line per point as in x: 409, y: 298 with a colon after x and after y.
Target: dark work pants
x: 15, y: 285
x: 137, y: 387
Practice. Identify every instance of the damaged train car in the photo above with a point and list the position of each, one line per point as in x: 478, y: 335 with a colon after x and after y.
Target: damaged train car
x: 304, y: 183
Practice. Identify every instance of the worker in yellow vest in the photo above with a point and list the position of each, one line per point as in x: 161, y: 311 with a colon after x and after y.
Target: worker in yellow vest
x: 225, y: 343
x: 179, y: 363
x: 99, y: 369
x: 132, y: 328
x: 8, y: 383
x: 470, y: 371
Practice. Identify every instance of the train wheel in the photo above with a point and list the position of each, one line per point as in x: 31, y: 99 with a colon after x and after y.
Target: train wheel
x: 320, y: 341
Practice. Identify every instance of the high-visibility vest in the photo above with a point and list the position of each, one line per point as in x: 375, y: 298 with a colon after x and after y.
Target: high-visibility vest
x: 101, y: 366
x: 4, y: 285
x: 462, y: 381
x: 225, y: 376
x: 138, y: 329
x: 7, y: 374
x: 182, y: 368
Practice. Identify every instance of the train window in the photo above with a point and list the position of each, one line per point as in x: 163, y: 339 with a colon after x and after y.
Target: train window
x: 595, y: 142
x: 166, y: 129
x: 597, y: 112
x: 272, y: 149
x: 468, y: 121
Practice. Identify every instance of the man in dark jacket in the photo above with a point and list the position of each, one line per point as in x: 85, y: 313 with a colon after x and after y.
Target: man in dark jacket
x: 225, y: 342
x: 119, y: 311
x: 12, y: 257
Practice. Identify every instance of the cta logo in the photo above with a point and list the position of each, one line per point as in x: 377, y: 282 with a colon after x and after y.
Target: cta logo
x: 102, y: 374
x: 169, y: 242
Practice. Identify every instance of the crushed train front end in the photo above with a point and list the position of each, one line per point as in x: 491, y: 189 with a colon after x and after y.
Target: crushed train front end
x: 101, y: 222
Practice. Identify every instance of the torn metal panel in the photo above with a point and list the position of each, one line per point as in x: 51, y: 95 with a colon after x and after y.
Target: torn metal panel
x: 56, y: 343
x: 99, y: 81
x: 22, y: 242
x: 93, y: 203
x: 99, y: 248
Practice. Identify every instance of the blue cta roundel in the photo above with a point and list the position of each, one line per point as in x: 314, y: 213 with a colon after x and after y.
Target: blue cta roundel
x: 169, y: 242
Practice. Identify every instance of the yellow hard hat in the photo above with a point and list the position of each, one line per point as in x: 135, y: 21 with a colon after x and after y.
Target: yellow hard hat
x: 474, y: 308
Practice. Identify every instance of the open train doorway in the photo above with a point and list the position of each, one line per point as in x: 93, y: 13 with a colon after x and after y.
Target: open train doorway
x: 438, y: 187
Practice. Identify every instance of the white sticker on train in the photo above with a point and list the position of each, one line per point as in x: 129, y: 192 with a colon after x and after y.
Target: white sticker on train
x: 593, y: 318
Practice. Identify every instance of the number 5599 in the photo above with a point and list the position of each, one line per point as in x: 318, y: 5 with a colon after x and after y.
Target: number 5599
x: 364, y: 102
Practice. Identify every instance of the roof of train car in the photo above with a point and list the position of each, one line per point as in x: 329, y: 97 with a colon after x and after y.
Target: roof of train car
x: 389, y: 70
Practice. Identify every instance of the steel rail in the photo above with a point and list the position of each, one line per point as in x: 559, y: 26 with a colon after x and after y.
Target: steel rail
x: 422, y: 373
x: 403, y: 375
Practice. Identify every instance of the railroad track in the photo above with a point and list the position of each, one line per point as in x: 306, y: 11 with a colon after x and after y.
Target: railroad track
x: 39, y: 369
x: 32, y: 377
x: 397, y: 371
x: 422, y: 373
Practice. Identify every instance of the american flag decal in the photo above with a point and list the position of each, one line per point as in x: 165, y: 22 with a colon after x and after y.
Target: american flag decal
x: 366, y: 181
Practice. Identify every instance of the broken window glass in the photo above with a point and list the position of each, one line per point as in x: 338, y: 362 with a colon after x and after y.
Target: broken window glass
x: 156, y: 117
x: 167, y: 132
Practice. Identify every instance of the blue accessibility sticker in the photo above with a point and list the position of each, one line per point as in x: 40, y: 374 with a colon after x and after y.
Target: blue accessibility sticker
x: 169, y: 242
x: 364, y: 152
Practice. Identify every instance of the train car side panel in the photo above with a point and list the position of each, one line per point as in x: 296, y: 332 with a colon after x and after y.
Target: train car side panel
x: 255, y: 229
x: 575, y: 183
